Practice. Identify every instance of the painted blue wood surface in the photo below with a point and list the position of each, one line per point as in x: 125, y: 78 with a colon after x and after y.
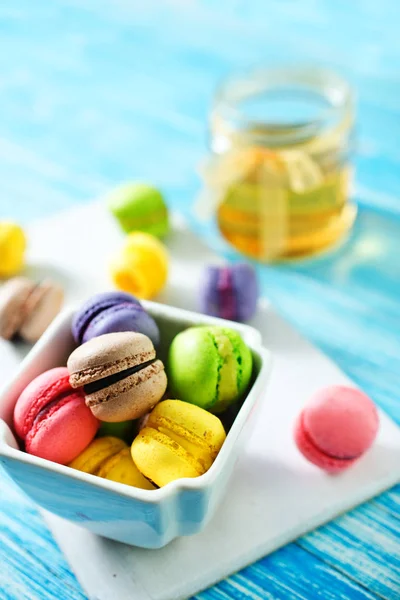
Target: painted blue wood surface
x: 97, y: 91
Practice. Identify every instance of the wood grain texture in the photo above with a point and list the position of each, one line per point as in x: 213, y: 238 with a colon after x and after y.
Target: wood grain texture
x: 95, y: 92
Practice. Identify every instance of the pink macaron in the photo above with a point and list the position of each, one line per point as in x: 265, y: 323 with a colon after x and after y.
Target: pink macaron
x: 52, y: 418
x: 336, y: 428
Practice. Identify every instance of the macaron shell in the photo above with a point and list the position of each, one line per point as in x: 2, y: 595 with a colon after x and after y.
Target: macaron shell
x: 63, y: 431
x: 243, y: 357
x: 14, y: 296
x: 196, y: 430
x: 43, y: 305
x: 194, y: 367
x: 154, y: 223
x: 122, y: 469
x: 108, y: 354
x: 227, y: 295
x: 141, y: 266
x: 94, y: 306
x: 93, y: 456
x: 12, y: 248
x: 131, y: 397
x: 139, y: 206
x: 40, y: 392
x: 341, y: 421
x: 229, y: 292
x: 314, y: 455
x: 190, y: 421
x: 209, y: 366
x: 159, y: 228
x: 246, y: 290
x: 161, y: 459
x: 122, y: 317
x: 233, y: 375
x: 208, y: 292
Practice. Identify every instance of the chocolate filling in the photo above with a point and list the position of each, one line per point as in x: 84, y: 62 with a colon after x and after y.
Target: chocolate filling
x: 96, y: 386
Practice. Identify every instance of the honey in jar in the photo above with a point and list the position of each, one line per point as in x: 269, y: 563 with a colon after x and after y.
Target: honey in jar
x: 280, y: 174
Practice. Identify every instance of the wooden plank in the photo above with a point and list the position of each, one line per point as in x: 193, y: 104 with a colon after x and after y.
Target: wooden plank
x: 291, y: 574
x: 363, y: 544
x: 31, y: 564
x: 390, y: 501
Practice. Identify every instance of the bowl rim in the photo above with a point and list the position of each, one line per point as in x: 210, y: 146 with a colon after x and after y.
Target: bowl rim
x: 253, y: 340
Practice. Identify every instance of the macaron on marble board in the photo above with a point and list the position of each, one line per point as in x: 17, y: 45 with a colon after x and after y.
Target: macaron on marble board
x: 110, y: 457
x: 140, y: 267
x: 336, y: 428
x: 141, y: 207
x: 111, y: 312
x: 229, y: 292
x: 12, y: 248
x: 179, y: 440
x: 27, y: 308
x: 52, y: 419
x: 43, y: 305
x: 210, y: 367
x: 120, y: 374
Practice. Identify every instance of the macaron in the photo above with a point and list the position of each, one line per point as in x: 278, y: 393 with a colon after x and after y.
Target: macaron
x: 110, y: 458
x: 210, y: 367
x: 336, y: 428
x: 140, y: 267
x: 52, y: 419
x: 120, y: 374
x: 179, y: 440
x: 139, y: 207
x: 229, y: 292
x: 14, y: 296
x: 43, y: 305
x: 27, y: 308
x: 110, y: 312
x: 12, y: 248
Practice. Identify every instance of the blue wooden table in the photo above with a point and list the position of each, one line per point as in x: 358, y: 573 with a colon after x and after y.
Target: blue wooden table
x: 97, y: 91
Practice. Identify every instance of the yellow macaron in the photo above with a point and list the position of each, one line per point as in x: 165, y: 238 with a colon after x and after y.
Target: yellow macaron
x: 141, y: 265
x: 110, y: 458
x: 179, y: 440
x: 12, y: 248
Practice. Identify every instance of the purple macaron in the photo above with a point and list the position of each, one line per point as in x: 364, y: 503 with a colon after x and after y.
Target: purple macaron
x: 229, y: 292
x: 111, y: 312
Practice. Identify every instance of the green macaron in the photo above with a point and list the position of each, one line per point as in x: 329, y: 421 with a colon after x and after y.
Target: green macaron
x: 125, y: 430
x: 209, y: 366
x: 139, y: 207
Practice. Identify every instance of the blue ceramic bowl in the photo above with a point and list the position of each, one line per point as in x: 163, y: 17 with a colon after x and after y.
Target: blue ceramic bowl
x: 149, y: 519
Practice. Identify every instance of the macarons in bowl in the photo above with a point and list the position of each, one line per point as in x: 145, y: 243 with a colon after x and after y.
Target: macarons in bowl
x: 140, y: 517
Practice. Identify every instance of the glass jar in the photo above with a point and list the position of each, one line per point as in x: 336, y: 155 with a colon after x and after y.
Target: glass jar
x: 278, y: 180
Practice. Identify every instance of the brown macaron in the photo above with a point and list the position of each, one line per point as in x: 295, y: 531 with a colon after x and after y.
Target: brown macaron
x: 120, y: 375
x: 27, y: 308
x: 14, y: 295
x: 42, y: 306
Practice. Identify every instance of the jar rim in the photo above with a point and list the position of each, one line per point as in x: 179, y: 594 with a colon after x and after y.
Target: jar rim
x: 328, y: 85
